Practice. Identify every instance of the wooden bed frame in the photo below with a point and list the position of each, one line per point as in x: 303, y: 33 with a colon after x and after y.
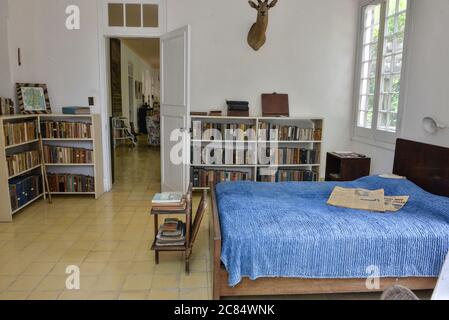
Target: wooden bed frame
x: 426, y: 165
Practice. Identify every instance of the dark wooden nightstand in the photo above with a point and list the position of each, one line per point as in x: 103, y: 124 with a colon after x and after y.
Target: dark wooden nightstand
x: 347, y: 167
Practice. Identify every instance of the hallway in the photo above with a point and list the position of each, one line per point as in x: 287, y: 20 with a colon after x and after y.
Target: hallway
x: 109, y: 239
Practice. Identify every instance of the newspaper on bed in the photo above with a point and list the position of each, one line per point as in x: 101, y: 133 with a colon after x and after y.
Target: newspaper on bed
x: 370, y: 200
x: 394, y: 204
x: 359, y: 199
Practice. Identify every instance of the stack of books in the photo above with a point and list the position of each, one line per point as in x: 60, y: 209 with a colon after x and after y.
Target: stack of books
x: 67, y: 155
x: 66, y: 130
x: 169, y: 201
x: 21, y: 162
x: 16, y: 133
x: 72, y: 183
x: 172, y: 233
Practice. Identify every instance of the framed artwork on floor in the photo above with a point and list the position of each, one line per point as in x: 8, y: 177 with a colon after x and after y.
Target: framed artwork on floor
x: 33, y: 98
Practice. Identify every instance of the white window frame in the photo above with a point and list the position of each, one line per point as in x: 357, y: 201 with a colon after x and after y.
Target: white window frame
x: 125, y: 31
x: 373, y: 135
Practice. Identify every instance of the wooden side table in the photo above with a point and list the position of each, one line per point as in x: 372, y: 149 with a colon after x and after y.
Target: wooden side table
x: 349, y: 167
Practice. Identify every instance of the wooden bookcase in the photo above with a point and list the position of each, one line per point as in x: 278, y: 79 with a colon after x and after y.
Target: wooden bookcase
x: 253, y: 167
x: 94, y: 169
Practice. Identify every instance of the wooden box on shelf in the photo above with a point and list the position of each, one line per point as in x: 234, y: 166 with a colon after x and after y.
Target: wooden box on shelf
x: 347, y: 166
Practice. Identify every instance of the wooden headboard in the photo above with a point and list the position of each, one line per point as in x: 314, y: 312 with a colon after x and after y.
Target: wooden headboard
x: 424, y: 164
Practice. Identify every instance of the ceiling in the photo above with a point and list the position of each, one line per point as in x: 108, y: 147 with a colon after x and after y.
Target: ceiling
x: 147, y: 49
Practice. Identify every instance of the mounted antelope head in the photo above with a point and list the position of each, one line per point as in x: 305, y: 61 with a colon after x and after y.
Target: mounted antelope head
x: 256, y: 36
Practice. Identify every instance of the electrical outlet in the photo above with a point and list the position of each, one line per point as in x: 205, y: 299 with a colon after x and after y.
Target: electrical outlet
x: 91, y: 101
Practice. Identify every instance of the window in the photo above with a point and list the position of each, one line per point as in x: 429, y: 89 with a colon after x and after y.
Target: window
x: 380, y: 65
x: 134, y: 17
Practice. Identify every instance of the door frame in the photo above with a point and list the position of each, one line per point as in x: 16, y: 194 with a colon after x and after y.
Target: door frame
x: 104, y: 99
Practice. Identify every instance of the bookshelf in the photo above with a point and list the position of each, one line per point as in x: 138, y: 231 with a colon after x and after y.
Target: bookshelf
x: 90, y: 139
x: 298, y: 142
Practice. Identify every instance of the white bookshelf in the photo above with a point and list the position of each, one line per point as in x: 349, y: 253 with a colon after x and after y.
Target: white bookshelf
x: 255, y: 142
x: 94, y: 169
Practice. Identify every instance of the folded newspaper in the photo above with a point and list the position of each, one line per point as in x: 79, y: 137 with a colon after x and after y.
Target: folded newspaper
x: 371, y: 200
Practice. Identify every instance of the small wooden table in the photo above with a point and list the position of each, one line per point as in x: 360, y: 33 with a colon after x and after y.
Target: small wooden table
x: 347, y: 167
x: 186, y: 247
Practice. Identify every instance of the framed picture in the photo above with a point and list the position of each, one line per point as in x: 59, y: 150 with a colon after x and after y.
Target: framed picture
x: 33, y: 98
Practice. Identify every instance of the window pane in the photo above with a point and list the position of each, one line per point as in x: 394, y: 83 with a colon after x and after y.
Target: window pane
x: 365, y: 119
x: 392, y: 64
x: 133, y: 15
x: 150, y: 15
x: 115, y: 13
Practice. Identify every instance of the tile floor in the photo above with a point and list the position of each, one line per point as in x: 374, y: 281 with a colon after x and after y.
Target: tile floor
x: 109, y: 239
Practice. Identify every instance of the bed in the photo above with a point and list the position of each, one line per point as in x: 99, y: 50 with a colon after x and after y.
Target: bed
x: 282, y: 239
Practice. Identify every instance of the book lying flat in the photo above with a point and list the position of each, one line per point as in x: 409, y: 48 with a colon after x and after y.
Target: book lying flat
x: 168, y: 198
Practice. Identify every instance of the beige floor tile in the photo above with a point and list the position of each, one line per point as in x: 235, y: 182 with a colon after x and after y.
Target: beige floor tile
x: 52, y: 283
x: 11, y: 296
x: 6, y: 281
x: 138, y: 282
x: 41, y: 296
x: 194, y: 294
x: 122, y: 256
x: 194, y: 280
x: 117, y: 268
x: 98, y: 256
x: 13, y: 269
x: 134, y: 295
x: 109, y: 283
x: 25, y: 283
x: 39, y: 268
x: 108, y: 296
x: 165, y: 281
x: 142, y: 267
x: 92, y: 268
x: 167, y: 267
x: 74, y: 295
x: 159, y: 294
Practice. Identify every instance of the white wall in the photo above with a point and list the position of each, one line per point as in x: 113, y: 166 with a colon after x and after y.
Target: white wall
x: 309, y: 54
x: 5, y: 80
x: 427, y: 92
x: 67, y: 61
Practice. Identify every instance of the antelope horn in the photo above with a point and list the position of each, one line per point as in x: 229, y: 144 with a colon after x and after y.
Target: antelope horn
x: 272, y: 4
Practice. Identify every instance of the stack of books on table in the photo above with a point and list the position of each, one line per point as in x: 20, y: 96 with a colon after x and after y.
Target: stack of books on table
x: 169, y: 201
x: 172, y: 233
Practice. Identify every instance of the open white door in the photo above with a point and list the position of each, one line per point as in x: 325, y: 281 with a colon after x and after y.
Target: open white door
x: 175, y: 109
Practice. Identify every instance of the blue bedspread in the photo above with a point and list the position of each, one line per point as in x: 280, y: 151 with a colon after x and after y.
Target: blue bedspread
x: 288, y: 230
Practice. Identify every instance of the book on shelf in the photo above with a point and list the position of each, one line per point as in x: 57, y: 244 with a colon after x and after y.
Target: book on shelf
x: 76, y: 110
x: 273, y: 132
x: 205, y: 178
x: 292, y: 156
x: 171, y: 233
x: 285, y: 175
x: 216, y: 113
x: 23, y: 161
x: 6, y: 107
x: 168, y: 198
x: 67, y: 155
x: 178, y: 207
x: 19, y: 132
x: 203, y: 130
x: 24, y: 189
x: 73, y: 183
x: 66, y: 130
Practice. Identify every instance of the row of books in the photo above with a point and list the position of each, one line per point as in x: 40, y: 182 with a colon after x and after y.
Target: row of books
x: 169, y: 201
x: 296, y: 156
x: 23, y: 190
x: 285, y: 175
x: 204, y: 178
x: 6, y: 107
x: 21, y: 162
x: 273, y: 132
x: 171, y: 233
x: 16, y: 133
x: 206, y: 155
x: 66, y: 130
x: 71, y: 183
x: 54, y: 154
x: 229, y: 132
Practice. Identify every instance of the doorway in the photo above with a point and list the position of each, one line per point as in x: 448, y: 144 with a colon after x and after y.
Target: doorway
x: 135, y: 114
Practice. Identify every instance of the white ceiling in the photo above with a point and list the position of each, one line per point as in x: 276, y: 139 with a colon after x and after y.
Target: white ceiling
x: 147, y: 49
